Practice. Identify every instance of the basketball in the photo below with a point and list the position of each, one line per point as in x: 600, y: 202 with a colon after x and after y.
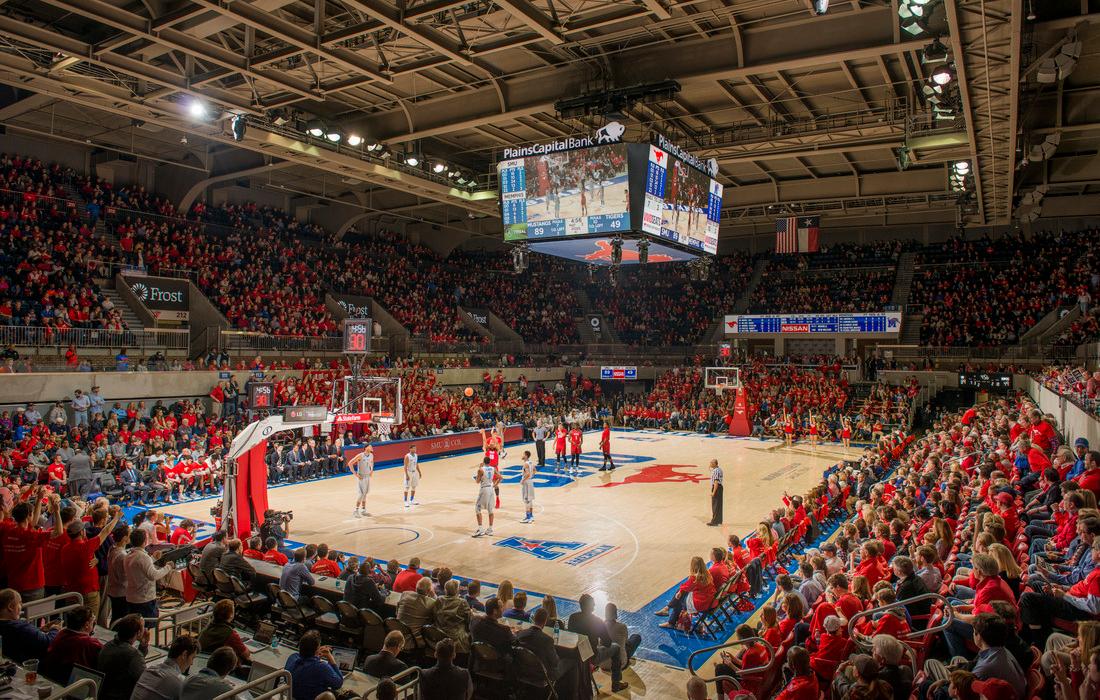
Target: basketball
x: 468, y: 391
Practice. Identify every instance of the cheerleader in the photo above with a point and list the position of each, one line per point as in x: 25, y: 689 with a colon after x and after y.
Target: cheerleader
x: 846, y: 433
x: 813, y: 432
x: 788, y: 429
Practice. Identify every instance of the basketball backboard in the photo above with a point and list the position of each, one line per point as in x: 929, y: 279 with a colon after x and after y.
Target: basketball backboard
x: 722, y: 378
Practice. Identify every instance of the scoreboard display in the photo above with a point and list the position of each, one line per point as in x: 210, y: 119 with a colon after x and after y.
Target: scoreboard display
x: 885, y: 322
x: 985, y: 380
x: 570, y: 193
x: 357, y: 332
x: 682, y: 203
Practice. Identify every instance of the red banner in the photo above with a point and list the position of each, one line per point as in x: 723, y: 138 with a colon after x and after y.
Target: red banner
x: 431, y: 446
x: 344, y: 418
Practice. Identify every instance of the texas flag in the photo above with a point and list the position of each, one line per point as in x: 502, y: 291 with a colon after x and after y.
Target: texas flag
x: 797, y: 234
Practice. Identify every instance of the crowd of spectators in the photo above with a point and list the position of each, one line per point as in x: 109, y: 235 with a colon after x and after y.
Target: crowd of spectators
x: 663, y: 305
x: 48, y: 255
x: 809, y: 291
x: 988, y: 293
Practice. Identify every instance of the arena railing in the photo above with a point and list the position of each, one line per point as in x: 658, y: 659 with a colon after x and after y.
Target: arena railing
x: 44, y: 337
x: 736, y: 682
x: 277, y: 684
x: 407, y: 682
x: 83, y: 688
x: 52, y: 607
x: 251, y: 341
x: 169, y: 625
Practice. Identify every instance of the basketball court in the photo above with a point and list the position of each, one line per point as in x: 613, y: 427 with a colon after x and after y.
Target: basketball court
x: 625, y: 536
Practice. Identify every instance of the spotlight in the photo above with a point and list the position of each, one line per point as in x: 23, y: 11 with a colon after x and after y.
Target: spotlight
x: 962, y: 167
x: 616, y: 251
x: 943, y: 75
x: 238, y: 125
x: 821, y: 7
x: 333, y: 134
x: 354, y: 139
x: 643, y: 245
x: 197, y: 110
x: 412, y: 160
x: 383, y: 151
x: 438, y: 167
x: 1030, y: 11
x: 315, y: 128
x: 936, y: 52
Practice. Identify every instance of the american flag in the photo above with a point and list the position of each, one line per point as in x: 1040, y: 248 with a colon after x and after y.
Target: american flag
x: 797, y: 234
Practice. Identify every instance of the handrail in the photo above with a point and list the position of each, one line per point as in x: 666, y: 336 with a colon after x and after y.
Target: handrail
x: 68, y: 690
x: 725, y: 645
x: 403, y: 686
x: 863, y: 641
x: 283, y: 689
x: 193, y: 617
x: 51, y: 606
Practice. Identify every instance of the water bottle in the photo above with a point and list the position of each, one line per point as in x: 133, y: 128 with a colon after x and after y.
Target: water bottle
x: 274, y: 643
x: 557, y: 630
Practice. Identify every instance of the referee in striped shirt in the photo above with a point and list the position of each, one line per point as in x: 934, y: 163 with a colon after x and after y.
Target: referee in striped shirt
x: 716, y: 479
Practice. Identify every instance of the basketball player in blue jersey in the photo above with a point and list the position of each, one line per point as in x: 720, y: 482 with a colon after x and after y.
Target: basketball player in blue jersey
x: 487, y: 477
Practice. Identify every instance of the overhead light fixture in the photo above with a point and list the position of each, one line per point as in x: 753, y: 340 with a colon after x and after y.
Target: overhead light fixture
x: 943, y: 75
x: 643, y: 247
x: 438, y: 167
x: 354, y: 139
x: 412, y: 160
x: 237, y: 126
x: 936, y: 52
x: 519, y: 258
x: 962, y: 167
x: 333, y: 134
x: 197, y: 110
x: 1045, y: 149
x: 383, y: 151
x: 821, y: 7
x: 315, y: 128
x: 616, y: 250
x: 1030, y: 11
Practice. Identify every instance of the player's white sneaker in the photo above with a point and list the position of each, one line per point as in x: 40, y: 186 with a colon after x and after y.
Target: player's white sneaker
x: 478, y: 533
x: 489, y: 531
x: 356, y: 513
x: 408, y: 503
x: 415, y: 503
x: 527, y: 520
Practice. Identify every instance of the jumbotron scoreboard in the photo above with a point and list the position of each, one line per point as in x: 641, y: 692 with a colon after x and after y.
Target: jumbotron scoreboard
x: 573, y: 198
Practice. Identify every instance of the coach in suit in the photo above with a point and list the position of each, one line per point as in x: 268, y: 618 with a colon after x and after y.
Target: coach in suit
x: 562, y: 671
x: 716, y: 479
x: 132, y: 483
x: 292, y: 460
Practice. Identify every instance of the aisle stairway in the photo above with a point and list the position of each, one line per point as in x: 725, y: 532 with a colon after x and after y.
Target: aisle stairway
x: 128, y: 316
x: 910, y: 329
x: 903, y: 282
x: 758, y: 269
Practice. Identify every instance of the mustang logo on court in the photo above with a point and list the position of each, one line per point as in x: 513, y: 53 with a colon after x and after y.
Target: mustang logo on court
x: 547, y: 550
x: 658, y: 474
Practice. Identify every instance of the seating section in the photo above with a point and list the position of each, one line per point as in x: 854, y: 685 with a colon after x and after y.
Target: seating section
x: 48, y: 256
x: 662, y: 305
x: 811, y: 291
x: 988, y: 293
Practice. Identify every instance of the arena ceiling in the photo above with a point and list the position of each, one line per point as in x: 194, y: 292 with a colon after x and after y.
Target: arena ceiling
x: 805, y: 113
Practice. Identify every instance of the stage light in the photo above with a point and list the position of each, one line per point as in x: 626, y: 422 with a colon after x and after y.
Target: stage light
x: 821, y: 7
x: 438, y: 167
x: 936, y: 52
x: 238, y: 126
x: 333, y: 134
x: 519, y: 258
x: 643, y: 251
x: 354, y: 139
x: 962, y: 167
x: 616, y: 251
x: 1030, y: 11
x: 197, y: 110
x: 412, y: 160
x: 943, y: 75
x: 315, y: 128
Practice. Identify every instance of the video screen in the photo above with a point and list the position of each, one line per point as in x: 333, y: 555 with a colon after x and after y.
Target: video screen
x: 568, y: 193
x: 681, y: 203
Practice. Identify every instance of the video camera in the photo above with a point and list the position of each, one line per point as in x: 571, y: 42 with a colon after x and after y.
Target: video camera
x: 280, y: 516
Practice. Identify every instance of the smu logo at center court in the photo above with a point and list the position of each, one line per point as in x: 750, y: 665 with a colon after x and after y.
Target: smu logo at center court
x: 547, y: 550
x: 549, y: 478
x: 659, y: 474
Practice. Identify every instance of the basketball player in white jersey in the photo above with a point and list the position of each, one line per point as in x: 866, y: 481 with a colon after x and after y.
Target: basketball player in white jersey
x: 362, y: 467
x: 527, y: 487
x: 412, y: 477
x: 487, y: 477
